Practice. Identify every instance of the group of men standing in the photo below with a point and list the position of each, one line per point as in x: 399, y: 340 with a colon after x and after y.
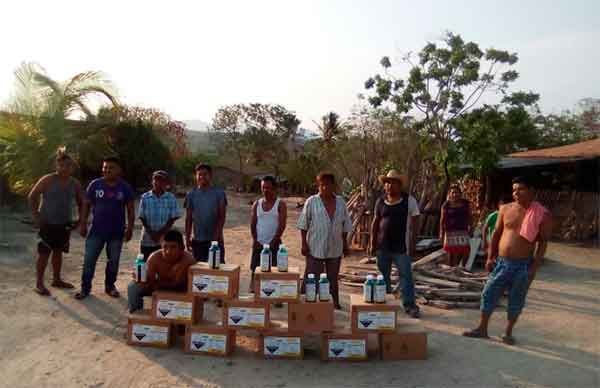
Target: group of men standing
x: 324, y: 224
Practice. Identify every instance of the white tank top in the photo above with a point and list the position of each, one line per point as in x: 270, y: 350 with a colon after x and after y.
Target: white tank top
x: 267, y: 222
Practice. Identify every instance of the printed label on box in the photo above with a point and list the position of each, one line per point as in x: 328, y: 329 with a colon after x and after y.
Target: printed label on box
x: 208, y: 343
x: 173, y: 309
x: 210, y: 284
x: 376, y: 320
x: 278, y: 288
x: 246, y: 316
x: 347, y: 349
x: 282, y: 346
x: 150, y: 334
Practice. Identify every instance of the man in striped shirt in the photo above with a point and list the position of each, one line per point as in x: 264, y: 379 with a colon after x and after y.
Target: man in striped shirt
x: 158, y: 211
x: 324, y: 225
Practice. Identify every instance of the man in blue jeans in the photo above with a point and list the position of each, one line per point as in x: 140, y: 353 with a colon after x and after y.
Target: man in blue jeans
x: 108, y: 197
x: 393, y: 236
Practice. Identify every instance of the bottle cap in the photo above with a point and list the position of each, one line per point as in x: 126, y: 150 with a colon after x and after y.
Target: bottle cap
x: 214, y: 243
x: 265, y: 246
x: 379, y: 277
x: 311, y: 275
x: 323, y: 276
x: 282, y: 246
x: 370, y: 277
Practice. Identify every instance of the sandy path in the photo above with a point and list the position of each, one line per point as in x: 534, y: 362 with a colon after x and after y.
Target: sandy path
x: 58, y: 341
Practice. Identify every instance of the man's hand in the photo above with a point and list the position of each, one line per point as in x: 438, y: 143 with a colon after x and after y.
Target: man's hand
x: 83, y: 229
x: 128, y: 233
x: 305, y: 250
x: 489, y: 265
x: 188, y: 243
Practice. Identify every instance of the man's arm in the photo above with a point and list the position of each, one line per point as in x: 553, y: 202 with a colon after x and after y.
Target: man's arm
x: 188, y: 227
x: 151, y: 283
x: 79, y: 197
x: 221, y: 211
x: 374, y: 232
x: 34, y: 197
x: 305, y: 248
x: 493, y: 248
x: 412, y: 238
x: 542, y: 242
x: 442, y: 223
x: 282, y: 211
x: 130, y: 220
x: 253, y: 221
x: 469, y: 219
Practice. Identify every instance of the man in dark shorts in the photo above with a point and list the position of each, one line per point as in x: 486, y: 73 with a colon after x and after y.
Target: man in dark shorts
x: 58, y: 192
x: 167, y: 270
x: 205, y: 212
x: 108, y: 197
x: 515, y: 253
x: 393, y: 234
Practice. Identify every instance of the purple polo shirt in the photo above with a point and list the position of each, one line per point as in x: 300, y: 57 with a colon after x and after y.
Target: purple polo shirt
x: 108, y: 207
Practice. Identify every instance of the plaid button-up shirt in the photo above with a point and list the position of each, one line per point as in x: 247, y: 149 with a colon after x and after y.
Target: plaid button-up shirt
x: 156, y: 212
x: 323, y: 234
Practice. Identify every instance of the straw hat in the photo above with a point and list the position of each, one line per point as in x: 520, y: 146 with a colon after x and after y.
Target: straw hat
x: 394, y: 175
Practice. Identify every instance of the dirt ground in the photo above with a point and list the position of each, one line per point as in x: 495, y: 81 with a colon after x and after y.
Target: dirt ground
x: 59, y: 341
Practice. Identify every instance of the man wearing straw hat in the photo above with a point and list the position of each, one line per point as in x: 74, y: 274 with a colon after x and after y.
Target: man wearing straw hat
x: 393, y: 235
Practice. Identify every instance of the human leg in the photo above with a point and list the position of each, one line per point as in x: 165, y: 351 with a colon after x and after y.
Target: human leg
x: 384, y: 264
x: 93, y: 247
x: 332, y: 267
x: 113, y: 254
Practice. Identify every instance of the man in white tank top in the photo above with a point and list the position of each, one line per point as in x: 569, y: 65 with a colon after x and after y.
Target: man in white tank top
x: 269, y: 215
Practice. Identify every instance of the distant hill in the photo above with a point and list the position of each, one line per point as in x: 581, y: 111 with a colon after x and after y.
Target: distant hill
x: 198, y: 137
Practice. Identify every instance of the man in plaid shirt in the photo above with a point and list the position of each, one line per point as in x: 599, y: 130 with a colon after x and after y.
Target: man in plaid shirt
x: 158, y: 211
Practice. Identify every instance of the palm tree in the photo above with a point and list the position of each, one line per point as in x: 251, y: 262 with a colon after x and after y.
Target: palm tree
x: 39, y: 118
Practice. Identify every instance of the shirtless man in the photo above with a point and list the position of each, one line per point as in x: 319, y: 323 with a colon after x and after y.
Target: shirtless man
x: 167, y: 269
x: 516, y: 251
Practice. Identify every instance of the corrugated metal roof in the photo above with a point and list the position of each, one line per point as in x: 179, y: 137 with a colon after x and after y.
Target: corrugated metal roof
x: 589, y: 149
x: 512, y: 162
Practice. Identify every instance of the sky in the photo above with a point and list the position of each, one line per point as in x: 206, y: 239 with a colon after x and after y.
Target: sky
x: 189, y: 58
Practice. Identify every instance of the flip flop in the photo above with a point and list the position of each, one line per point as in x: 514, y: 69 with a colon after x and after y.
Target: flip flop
x: 508, y: 339
x: 81, y: 295
x: 61, y: 284
x: 42, y: 291
x: 475, y: 333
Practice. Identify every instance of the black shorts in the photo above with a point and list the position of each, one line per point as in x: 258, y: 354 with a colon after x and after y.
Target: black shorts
x: 255, y: 259
x: 54, y: 238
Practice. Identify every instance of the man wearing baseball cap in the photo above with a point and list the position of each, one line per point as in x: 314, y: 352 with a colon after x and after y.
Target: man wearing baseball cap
x: 393, y: 235
x: 158, y: 211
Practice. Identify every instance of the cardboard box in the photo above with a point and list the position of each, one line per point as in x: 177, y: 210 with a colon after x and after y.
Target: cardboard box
x: 246, y: 313
x: 214, y: 340
x: 177, y: 307
x: 277, y: 286
x: 281, y: 344
x: 344, y: 346
x: 143, y: 330
x: 407, y: 343
x: 221, y: 283
x: 373, y: 317
x: 314, y: 317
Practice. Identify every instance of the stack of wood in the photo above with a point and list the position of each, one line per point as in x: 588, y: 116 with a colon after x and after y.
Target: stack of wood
x: 436, y: 284
x: 361, y: 216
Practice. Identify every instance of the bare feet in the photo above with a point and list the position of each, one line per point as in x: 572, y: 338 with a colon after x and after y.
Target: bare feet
x: 41, y: 290
x: 61, y: 284
x: 508, y: 339
x: 476, y: 333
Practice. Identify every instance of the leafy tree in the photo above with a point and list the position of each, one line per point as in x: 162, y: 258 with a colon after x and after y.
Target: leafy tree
x: 39, y: 118
x: 447, y: 80
x: 256, y: 132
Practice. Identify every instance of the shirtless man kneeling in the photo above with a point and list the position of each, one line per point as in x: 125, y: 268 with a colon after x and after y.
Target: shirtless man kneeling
x: 514, y: 255
x: 167, y: 269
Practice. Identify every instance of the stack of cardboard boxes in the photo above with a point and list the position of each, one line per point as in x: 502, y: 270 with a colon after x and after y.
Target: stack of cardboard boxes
x: 157, y: 328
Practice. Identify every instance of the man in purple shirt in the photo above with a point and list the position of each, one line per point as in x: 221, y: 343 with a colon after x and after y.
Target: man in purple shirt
x: 108, y: 197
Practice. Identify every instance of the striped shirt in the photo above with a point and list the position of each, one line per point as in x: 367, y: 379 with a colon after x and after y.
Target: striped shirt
x: 156, y: 212
x: 324, y: 235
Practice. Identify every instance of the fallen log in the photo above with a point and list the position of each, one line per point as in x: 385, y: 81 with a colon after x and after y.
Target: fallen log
x: 443, y: 304
x: 434, y: 257
x: 453, y: 295
x: 435, y: 281
x: 459, y: 280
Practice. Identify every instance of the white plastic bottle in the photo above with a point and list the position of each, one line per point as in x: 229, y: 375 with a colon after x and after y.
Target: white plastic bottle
x: 324, y: 294
x: 265, y: 258
x: 214, y: 255
x: 310, y: 292
x: 282, y: 259
x: 380, y: 290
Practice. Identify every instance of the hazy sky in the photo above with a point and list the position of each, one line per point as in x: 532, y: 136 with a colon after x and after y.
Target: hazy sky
x: 188, y: 58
